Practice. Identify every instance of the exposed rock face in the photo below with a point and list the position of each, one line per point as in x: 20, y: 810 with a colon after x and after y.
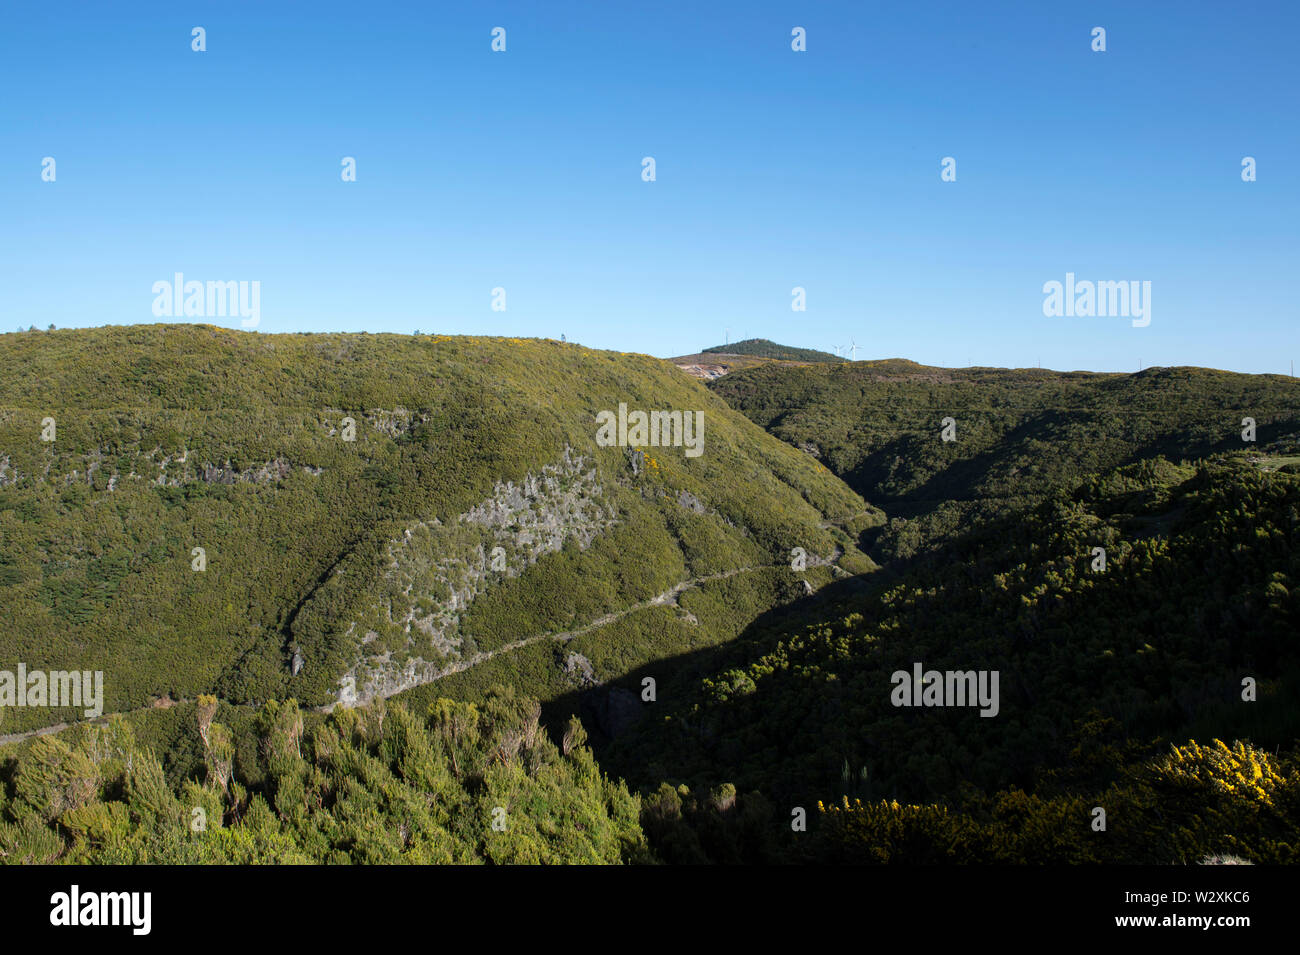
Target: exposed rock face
x: 437, y: 570
x: 169, y: 470
x: 277, y: 469
x: 274, y: 470
x: 538, y: 516
x: 690, y: 502
x: 578, y: 670
x: 817, y: 560
x: 707, y: 372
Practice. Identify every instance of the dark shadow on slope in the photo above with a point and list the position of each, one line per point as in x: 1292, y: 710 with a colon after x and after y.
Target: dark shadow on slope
x: 612, y: 708
x: 1088, y: 669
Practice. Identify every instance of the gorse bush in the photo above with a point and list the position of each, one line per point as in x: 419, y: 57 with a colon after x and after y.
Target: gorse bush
x: 1192, y: 806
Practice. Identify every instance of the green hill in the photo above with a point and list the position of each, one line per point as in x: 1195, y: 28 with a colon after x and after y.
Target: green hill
x: 763, y: 348
x: 1017, y: 434
x: 471, y: 517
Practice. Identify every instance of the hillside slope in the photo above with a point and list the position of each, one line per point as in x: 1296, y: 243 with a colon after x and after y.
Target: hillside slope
x: 340, y: 517
x: 1016, y: 434
x: 1186, y: 633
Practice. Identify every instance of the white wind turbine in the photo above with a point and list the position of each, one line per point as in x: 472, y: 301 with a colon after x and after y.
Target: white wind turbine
x: 854, y: 348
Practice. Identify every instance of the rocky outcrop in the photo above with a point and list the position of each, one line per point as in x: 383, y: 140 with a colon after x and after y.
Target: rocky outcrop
x: 579, y: 671
x: 269, y: 472
x: 437, y: 570
x: 169, y: 471
x: 690, y: 502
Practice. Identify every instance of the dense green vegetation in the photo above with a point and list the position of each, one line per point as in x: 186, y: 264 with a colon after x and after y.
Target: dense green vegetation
x: 763, y: 348
x: 170, y: 438
x: 1019, y: 434
x: 462, y: 784
x: 1194, y: 804
x: 515, y: 588
x: 1189, y: 603
x: 1099, y: 671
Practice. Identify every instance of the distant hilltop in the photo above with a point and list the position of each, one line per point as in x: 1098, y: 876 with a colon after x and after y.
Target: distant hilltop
x: 719, y: 360
x: 763, y: 348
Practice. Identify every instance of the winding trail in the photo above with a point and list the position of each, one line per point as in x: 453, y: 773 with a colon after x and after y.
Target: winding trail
x: 668, y: 597
x: 43, y: 731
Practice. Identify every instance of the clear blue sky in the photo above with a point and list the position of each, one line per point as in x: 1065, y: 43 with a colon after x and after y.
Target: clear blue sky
x: 775, y: 169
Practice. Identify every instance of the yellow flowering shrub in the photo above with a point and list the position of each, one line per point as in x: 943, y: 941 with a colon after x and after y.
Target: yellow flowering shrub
x: 1240, y: 770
